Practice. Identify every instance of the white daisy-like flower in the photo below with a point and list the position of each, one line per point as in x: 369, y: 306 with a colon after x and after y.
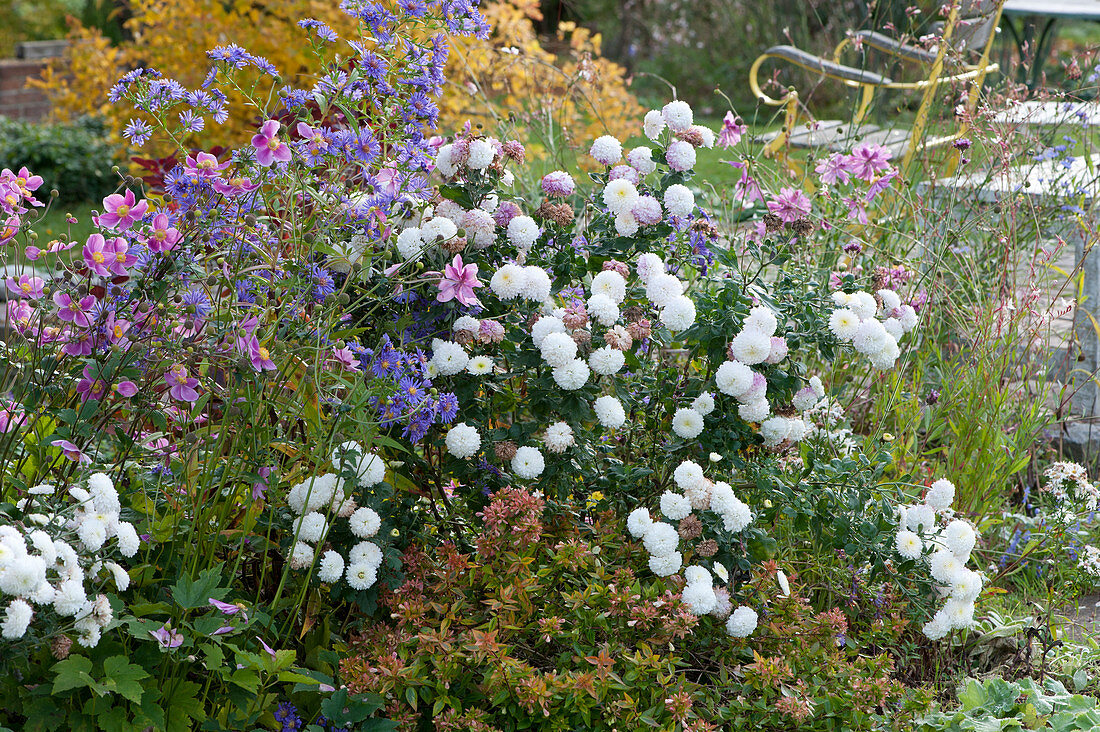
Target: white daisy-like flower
x: 677, y: 115
x: 536, y: 284
x: 863, y: 304
x: 938, y: 627
x: 366, y: 552
x: 69, y: 598
x: 310, y: 527
x: 944, y: 566
x: 92, y: 533
x: 688, y: 476
x: 559, y: 437
x: 721, y: 572
x: 463, y: 441
x: 104, y: 495
x: 680, y: 156
x: 410, y: 245
x: 886, y: 358
x: 817, y: 386
x: 508, y: 282
x: 742, y: 622
x: 704, y: 403
x: 894, y: 327
x: 706, y: 133
x: 660, y: 539
x: 331, y: 567
x: 606, y: 150
x: 466, y: 323
x: 699, y: 597
x: 804, y: 399
x: 443, y: 162
x: 737, y: 517
x: 638, y: 522
x: 620, y: 195
x: 528, y: 463
x: 449, y: 357
x: 361, y: 576
x: 871, y: 337
x: 609, y: 411
x: 762, y: 319
x: 920, y: 518
x: 626, y: 224
x: 648, y: 265
x: 908, y: 317
x: 119, y: 575
x: 679, y: 200
x: 610, y: 283
x: 751, y: 346
x: 678, y: 315
x: 733, y: 378
x: 959, y: 613
x: 482, y: 153
x: 653, y: 124
x: 17, y: 618
x: 774, y: 430
x: 606, y: 360
x: 959, y: 539
x: 641, y: 159
x: 573, y: 375
x: 940, y: 494
x: 675, y: 506
x: 523, y: 231
x: 844, y: 324
x: 480, y: 365
x: 687, y: 423
x: 438, y: 229
x: 696, y: 574
x: 754, y: 411
x: 909, y: 545
x: 23, y: 574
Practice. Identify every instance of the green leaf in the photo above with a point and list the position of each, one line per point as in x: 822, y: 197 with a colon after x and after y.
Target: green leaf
x: 75, y: 673
x: 122, y: 676
x: 190, y: 594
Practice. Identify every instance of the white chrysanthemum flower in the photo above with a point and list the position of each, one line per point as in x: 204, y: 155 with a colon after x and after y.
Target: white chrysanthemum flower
x: 41, y: 542
x: 128, y: 541
x: 366, y: 552
x: 43, y: 489
x: 638, y: 522
x: 603, y: 309
x: 463, y: 441
x: 742, y: 622
x: 909, y: 545
x: 438, y: 229
x: 543, y: 327
x: 938, y: 626
x: 558, y: 349
x: 688, y: 476
x: 528, y: 463
x: 450, y: 210
x: 844, y: 324
x: 890, y: 300
x: 606, y: 150
x: 721, y: 572
x: 677, y: 115
x: 559, y: 437
x: 606, y: 360
x: 704, y: 403
x: 967, y: 586
x: 696, y: 574
x: 699, y: 597
x: 103, y: 493
x: 959, y: 539
x: 666, y: 565
x: 660, y: 539
x: 751, y: 346
x: 626, y: 224
x: 733, y: 378
x: 920, y: 518
x: 620, y: 195
x: 23, y: 574
x: 679, y: 315
x: 663, y: 288
x: 706, y: 133
x: 537, y: 284
x: 653, y: 124
x: 573, y: 375
x: 444, y: 163
x: 369, y: 468
x: 609, y: 411
x: 466, y: 323
x: 92, y: 533
x: 680, y: 156
x: 648, y: 265
x: 940, y: 495
x: 482, y: 153
x: 17, y: 618
x: 754, y: 411
x: 737, y: 517
x: 687, y: 423
x: 410, y: 245
x: 886, y: 358
x: 508, y: 282
x: 722, y: 497
x: 523, y: 231
x: 480, y: 365
x: 779, y: 351
x: 762, y: 319
x: 119, y: 575
x: 817, y: 386
x: 675, y: 506
x: 361, y: 576
x: 301, y: 556
x: 449, y: 357
x: 641, y: 159
x: 69, y: 598
x: 894, y: 327
x: 774, y: 430
x: 798, y: 428
x: 679, y: 200
x: 944, y: 566
x: 610, y: 283
x: 871, y: 337
x: 908, y: 317
x: 331, y: 567
x: 863, y: 304
x: 804, y: 399
x: 365, y: 522
x: 959, y: 613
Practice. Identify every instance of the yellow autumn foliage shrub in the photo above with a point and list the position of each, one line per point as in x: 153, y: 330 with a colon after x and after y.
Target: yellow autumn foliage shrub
x: 509, y: 81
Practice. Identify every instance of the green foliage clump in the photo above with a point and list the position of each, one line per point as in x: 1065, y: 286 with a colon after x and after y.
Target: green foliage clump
x: 996, y: 704
x: 73, y: 158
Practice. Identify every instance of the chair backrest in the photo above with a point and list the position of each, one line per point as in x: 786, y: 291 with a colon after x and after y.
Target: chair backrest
x: 975, y: 26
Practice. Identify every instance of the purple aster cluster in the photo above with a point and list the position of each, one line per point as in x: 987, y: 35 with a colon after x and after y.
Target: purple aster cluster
x: 409, y: 403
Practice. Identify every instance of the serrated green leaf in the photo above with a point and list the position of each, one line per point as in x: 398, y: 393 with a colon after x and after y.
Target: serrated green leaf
x: 123, y: 677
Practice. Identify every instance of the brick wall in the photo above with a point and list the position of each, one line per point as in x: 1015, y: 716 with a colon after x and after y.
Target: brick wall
x: 16, y: 100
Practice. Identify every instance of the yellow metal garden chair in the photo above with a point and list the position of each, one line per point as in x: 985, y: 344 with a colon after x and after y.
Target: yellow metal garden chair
x: 962, y: 54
